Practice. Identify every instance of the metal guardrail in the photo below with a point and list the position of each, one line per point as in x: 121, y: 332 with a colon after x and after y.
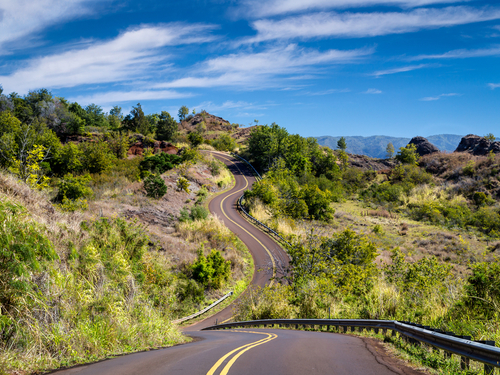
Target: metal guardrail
x: 192, y: 316
x: 264, y: 226
x: 246, y: 161
x: 481, y: 351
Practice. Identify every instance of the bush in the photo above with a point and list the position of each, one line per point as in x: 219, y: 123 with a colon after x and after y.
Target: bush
x: 74, y: 187
x: 224, y: 143
x: 183, y: 184
x: 195, y: 139
x: 211, y: 271
x: 408, y: 154
x: 483, y: 289
x: 96, y: 156
x: 155, y: 186
x: 159, y: 163
x: 198, y: 213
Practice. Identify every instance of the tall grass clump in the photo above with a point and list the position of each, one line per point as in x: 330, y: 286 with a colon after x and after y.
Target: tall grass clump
x: 102, y: 291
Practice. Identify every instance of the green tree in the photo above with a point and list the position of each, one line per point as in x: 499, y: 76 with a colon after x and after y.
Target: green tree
x: 341, y: 144
x: 137, y: 121
x: 408, y: 154
x: 389, y: 150
x: 211, y: 271
x: 97, y: 156
x: 166, y: 127
x: 94, y: 116
x: 490, y: 137
x: 195, y: 139
x: 67, y: 160
x: 119, y: 144
x: 74, y: 187
x: 183, y: 112
x: 155, y: 186
x: 224, y: 143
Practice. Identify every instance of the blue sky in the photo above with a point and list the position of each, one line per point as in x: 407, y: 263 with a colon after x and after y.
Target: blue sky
x: 317, y: 67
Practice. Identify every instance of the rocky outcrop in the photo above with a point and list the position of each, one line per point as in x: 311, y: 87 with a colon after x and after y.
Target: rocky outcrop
x: 477, y: 145
x: 424, y: 147
x: 139, y: 143
x: 211, y: 122
x: 367, y: 163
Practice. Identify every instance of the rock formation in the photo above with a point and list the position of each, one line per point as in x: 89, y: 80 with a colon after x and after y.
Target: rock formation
x: 477, y: 145
x: 424, y: 147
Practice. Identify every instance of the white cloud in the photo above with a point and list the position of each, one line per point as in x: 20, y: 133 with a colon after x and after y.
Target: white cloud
x: 357, y: 25
x: 132, y: 55
x: 494, y: 86
x: 21, y: 19
x: 257, y: 69
x: 399, y: 70
x: 257, y: 8
x: 327, y: 92
x: 433, y: 98
x: 128, y: 96
x: 461, y: 54
x: 372, y: 91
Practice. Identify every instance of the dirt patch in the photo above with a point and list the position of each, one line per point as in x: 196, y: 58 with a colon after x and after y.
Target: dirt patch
x: 385, y: 358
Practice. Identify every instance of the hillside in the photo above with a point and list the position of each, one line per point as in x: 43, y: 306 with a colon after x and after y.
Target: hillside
x: 374, y: 146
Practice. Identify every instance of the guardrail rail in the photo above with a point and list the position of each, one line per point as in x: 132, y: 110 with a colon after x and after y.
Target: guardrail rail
x: 482, y: 351
x: 192, y: 316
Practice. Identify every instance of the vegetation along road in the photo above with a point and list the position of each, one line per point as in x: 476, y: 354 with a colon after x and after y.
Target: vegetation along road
x: 250, y: 351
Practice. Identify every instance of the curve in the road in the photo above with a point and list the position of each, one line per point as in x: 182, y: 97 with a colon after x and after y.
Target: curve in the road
x: 265, y: 251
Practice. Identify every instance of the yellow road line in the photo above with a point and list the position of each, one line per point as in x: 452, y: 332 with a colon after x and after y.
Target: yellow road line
x: 244, y: 348
x: 250, y: 234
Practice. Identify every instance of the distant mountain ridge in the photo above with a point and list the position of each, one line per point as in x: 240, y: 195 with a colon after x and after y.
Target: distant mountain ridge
x: 375, y: 145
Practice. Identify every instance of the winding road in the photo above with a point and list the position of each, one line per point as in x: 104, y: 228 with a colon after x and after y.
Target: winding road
x: 253, y: 351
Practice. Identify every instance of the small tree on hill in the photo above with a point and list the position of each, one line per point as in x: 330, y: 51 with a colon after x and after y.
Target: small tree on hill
x: 166, y: 127
x: 389, y: 150
x: 183, y: 112
x: 155, y: 186
x: 490, y: 137
x: 341, y: 144
x: 408, y: 154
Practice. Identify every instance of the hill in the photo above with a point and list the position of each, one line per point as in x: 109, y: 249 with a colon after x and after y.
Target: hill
x: 374, y: 146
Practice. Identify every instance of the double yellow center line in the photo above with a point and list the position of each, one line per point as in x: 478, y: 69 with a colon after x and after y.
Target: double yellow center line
x: 232, y: 221
x: 239, y: 351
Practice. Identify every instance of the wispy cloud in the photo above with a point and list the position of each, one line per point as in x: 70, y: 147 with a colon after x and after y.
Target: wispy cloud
x: 494, y: 86
x: 135, y: 54
x: 372, y: 91
x: 357, y: 25
x: 326, y: 92
x: 256, y: 8
x: 432, y: 98
x: 461, y: 54
x: 262, y: 69
x: 21, y: 20
x: 128, y: 96
x: 403, y: 69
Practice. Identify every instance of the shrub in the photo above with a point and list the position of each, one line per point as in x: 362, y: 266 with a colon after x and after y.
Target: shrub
x: 198, y: 213
x: 211, y: 271
x: 483, y: 289
x: 74, y: 187
x: 202, y: 195
x: 155, y: 186
x: 183, y: 184
x: 224, y: 143
x: 159, y: 163
x: 96, y: 156
x: 408, y: 154
x: 195, y: 139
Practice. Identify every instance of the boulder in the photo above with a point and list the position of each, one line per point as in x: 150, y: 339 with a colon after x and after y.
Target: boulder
x: 424, y: 147
x: 476, y: 145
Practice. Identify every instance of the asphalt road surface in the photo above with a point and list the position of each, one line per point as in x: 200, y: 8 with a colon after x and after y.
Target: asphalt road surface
x: 253, y: 351
x: 268, y: 256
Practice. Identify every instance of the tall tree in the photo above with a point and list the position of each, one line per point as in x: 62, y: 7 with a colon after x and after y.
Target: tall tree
x: 341, y: 144
x: 183, y: 112
x: 389, y: 150
x: 166, y: 127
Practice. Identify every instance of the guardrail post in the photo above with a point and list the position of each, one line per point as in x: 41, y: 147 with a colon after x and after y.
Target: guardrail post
x: 464, y: 363
x: 296, y: 326
x: 376, y: 330
x: 321, y: 327
x: 394, y: 333
x: 345, y: 329
x: 488, y: 369
x: 353, y: 329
